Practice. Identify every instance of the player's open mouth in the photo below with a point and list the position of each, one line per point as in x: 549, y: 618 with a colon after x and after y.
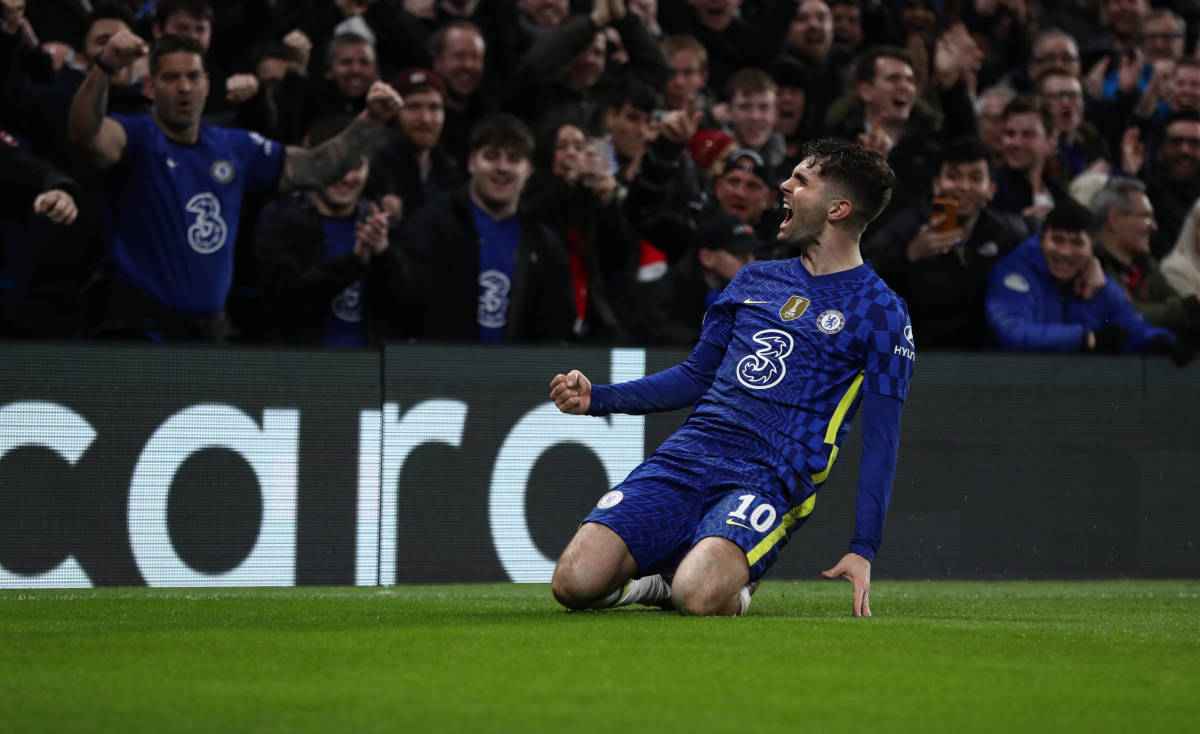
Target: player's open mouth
x: 787, y: 216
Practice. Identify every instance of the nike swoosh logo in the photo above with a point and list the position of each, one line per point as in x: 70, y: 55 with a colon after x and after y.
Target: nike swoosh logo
x: 731, y: 522
x: 753, y: 301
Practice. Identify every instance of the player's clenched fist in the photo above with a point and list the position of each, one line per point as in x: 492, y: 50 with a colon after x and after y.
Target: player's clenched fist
x: 122, y: 49
x: 572, y: 392
x: 383, y: 101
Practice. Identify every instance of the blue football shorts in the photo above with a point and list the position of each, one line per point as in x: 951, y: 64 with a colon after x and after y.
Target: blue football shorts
x: 668, y: 504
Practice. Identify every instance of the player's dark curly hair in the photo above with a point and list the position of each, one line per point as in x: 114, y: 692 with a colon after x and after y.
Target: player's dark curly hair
x: 855, y: 173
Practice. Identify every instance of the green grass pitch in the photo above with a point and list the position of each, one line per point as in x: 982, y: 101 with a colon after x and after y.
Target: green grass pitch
x: 1014, y: 657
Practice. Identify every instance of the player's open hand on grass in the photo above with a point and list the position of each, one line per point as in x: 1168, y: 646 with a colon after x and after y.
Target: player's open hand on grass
x: 572, y: 392
x: 857, y: 570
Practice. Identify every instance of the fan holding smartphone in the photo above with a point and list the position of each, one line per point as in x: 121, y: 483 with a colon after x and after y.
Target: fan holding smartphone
x: 945, y: 292
x: 940, y: 233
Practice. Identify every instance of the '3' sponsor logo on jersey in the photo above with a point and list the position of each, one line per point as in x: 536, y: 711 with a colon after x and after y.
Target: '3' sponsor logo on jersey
x: 765, y: 368
x: 207, y: 233
x: 493, y: 299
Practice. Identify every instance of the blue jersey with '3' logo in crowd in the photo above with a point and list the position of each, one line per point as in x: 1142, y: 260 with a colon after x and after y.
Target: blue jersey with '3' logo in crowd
x: 175, y: 209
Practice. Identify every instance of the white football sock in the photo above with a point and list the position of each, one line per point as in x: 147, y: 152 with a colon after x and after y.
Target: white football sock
x: 648, y: 590
x: 744, y: 596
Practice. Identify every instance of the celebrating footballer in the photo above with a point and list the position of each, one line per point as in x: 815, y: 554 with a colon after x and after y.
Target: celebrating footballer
x: 788, y: 354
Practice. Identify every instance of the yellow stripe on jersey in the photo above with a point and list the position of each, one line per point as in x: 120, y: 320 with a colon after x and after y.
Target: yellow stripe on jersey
x: 835, y: 423
x: 804, y: 510
x: 767, y: 543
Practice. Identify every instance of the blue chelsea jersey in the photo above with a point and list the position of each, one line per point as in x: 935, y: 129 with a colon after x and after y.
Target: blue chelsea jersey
x: 176, y: 207
x: 799, y: 351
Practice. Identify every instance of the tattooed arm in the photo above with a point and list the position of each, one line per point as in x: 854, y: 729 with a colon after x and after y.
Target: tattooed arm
x: 102, y: 138
x: 311, y: 168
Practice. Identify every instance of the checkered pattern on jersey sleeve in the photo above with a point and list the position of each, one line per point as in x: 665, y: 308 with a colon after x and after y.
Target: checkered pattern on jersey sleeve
x: 888, y: 339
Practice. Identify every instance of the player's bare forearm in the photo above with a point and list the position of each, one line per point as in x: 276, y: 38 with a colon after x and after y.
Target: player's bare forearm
x: 329, y: 161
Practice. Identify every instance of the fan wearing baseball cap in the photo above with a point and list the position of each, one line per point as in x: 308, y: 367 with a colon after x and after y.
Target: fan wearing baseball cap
x: 745, y: 190
x: 672, y: 308
x: 409, y: 165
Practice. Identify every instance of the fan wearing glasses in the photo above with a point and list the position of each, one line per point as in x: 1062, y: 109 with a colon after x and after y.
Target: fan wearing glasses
x: 1079, y: 145
x: 1145, y: 69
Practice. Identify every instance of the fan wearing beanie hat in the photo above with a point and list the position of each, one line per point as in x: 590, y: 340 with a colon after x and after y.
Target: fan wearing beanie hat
x: 747, y: 190
x: 709, y: 149
x: 410, y: 165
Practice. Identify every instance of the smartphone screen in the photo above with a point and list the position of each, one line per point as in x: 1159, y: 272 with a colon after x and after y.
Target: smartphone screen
x: 945, y: 206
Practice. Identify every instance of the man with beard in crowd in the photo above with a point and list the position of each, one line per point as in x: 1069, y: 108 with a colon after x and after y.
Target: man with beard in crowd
x: 408, y: 166
x: 1173, y: 182
x: 178, y: 187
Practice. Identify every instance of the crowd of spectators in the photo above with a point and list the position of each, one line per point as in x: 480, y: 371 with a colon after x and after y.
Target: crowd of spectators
x: 348, y: 172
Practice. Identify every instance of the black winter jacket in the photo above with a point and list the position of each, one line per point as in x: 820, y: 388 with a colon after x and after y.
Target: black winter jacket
x: 298, y: 282
x: 441, y: 253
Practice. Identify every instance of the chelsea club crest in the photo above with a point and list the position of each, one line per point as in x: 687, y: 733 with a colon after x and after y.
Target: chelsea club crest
x: 221, y: 171
x: 831, y: 321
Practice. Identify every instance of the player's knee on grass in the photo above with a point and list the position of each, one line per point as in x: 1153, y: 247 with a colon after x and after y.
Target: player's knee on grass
x: 570, y: 591
x: 576, y: 584
x: 595, y: 564
x: 704, y: 601
x: 708, y: 580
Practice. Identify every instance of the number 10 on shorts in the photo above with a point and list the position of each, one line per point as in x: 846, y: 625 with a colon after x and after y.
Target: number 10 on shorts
x: 761, y: 518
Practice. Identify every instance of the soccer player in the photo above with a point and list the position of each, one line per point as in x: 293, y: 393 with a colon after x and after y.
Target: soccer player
x: 177, y: 186
x: 788, y: 353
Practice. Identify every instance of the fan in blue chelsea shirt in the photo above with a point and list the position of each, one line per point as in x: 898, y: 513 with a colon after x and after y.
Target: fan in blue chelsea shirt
x: 177, y: 186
